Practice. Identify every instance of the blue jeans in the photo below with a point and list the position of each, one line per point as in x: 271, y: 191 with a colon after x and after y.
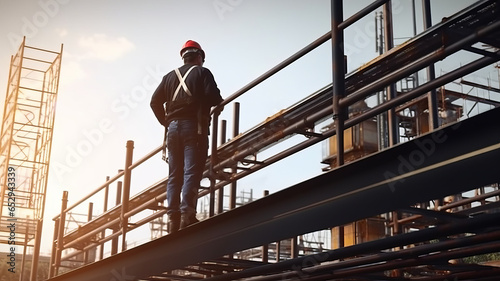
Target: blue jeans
x: 186, y: 160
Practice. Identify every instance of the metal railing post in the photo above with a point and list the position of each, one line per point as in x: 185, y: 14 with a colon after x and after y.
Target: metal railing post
x: 89, y: 218
x: 220, y: 192
x: 338, y: 70
x: 54, y: 248
x: 105, y: 208
x: 392, y: 122
x: 294, y: 247
x: 126, y: 192
x: 236, y: 132
x: 213, y: 161
x: 60, y: 232
x: 118, y: 201
x: 431, y: 73
x: 278, y: 250
x: 265, y: 248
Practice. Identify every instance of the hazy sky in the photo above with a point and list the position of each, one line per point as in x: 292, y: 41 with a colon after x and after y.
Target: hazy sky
x: 115, y: 53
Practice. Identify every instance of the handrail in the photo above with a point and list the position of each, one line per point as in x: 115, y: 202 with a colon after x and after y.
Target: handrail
x: 318, y: 42
x: 146, y: 157
x: 111, y: 180
x: 108, y: 182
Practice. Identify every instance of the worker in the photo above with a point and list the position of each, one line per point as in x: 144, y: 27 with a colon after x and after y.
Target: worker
x: 182, y: 103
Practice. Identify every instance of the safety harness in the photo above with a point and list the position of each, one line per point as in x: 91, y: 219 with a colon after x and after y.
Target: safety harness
x: 182, y: 83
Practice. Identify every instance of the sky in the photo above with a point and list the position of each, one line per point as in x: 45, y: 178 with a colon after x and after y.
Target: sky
x: 116, y: 52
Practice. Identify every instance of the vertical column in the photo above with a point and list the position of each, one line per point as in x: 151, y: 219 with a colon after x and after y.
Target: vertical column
x: 341, y: 236
x: 90, y: 214
x: 213, y: 160
x: 414, y: 17
x: 338, y: 70
x: 497, y: 187
x: 126, y: 192
x: 382, y: 128
x: 236, y: 132
x: 431, y: 73
x: 265, y: 248
x: 118, y: 200
x: 60, y: 232
x: 54, y: 248
x: 278, y: 251
x: 220, y: 192
x: 294, y: 247
x: 105, y: 208
x: 391, y: 89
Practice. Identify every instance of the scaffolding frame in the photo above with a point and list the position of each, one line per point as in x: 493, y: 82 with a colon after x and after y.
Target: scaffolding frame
x: 25, y: 145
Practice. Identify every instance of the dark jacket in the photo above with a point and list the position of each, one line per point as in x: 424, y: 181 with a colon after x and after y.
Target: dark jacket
x: 204, y: 95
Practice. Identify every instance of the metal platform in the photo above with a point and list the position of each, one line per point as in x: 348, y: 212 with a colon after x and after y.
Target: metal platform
x: 453, y: 159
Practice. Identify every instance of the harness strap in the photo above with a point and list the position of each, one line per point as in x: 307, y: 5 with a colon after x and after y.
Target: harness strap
x: 164, y: 156
x: 182, y: 82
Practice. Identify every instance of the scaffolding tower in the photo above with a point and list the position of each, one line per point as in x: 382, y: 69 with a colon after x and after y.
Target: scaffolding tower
x: 25, y: 145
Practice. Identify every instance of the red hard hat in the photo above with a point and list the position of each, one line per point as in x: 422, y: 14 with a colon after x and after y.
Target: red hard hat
x: 192, y: 46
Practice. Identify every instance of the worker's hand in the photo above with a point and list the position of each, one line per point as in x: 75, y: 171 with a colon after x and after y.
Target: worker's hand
x: 218, y: 109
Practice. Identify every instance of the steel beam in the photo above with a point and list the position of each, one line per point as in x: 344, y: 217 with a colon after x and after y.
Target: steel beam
x: 453, y: 159
x: 354, y: 260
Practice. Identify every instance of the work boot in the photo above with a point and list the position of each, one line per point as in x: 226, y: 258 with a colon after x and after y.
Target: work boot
x: 174, y: 222
x: 187, y: 220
